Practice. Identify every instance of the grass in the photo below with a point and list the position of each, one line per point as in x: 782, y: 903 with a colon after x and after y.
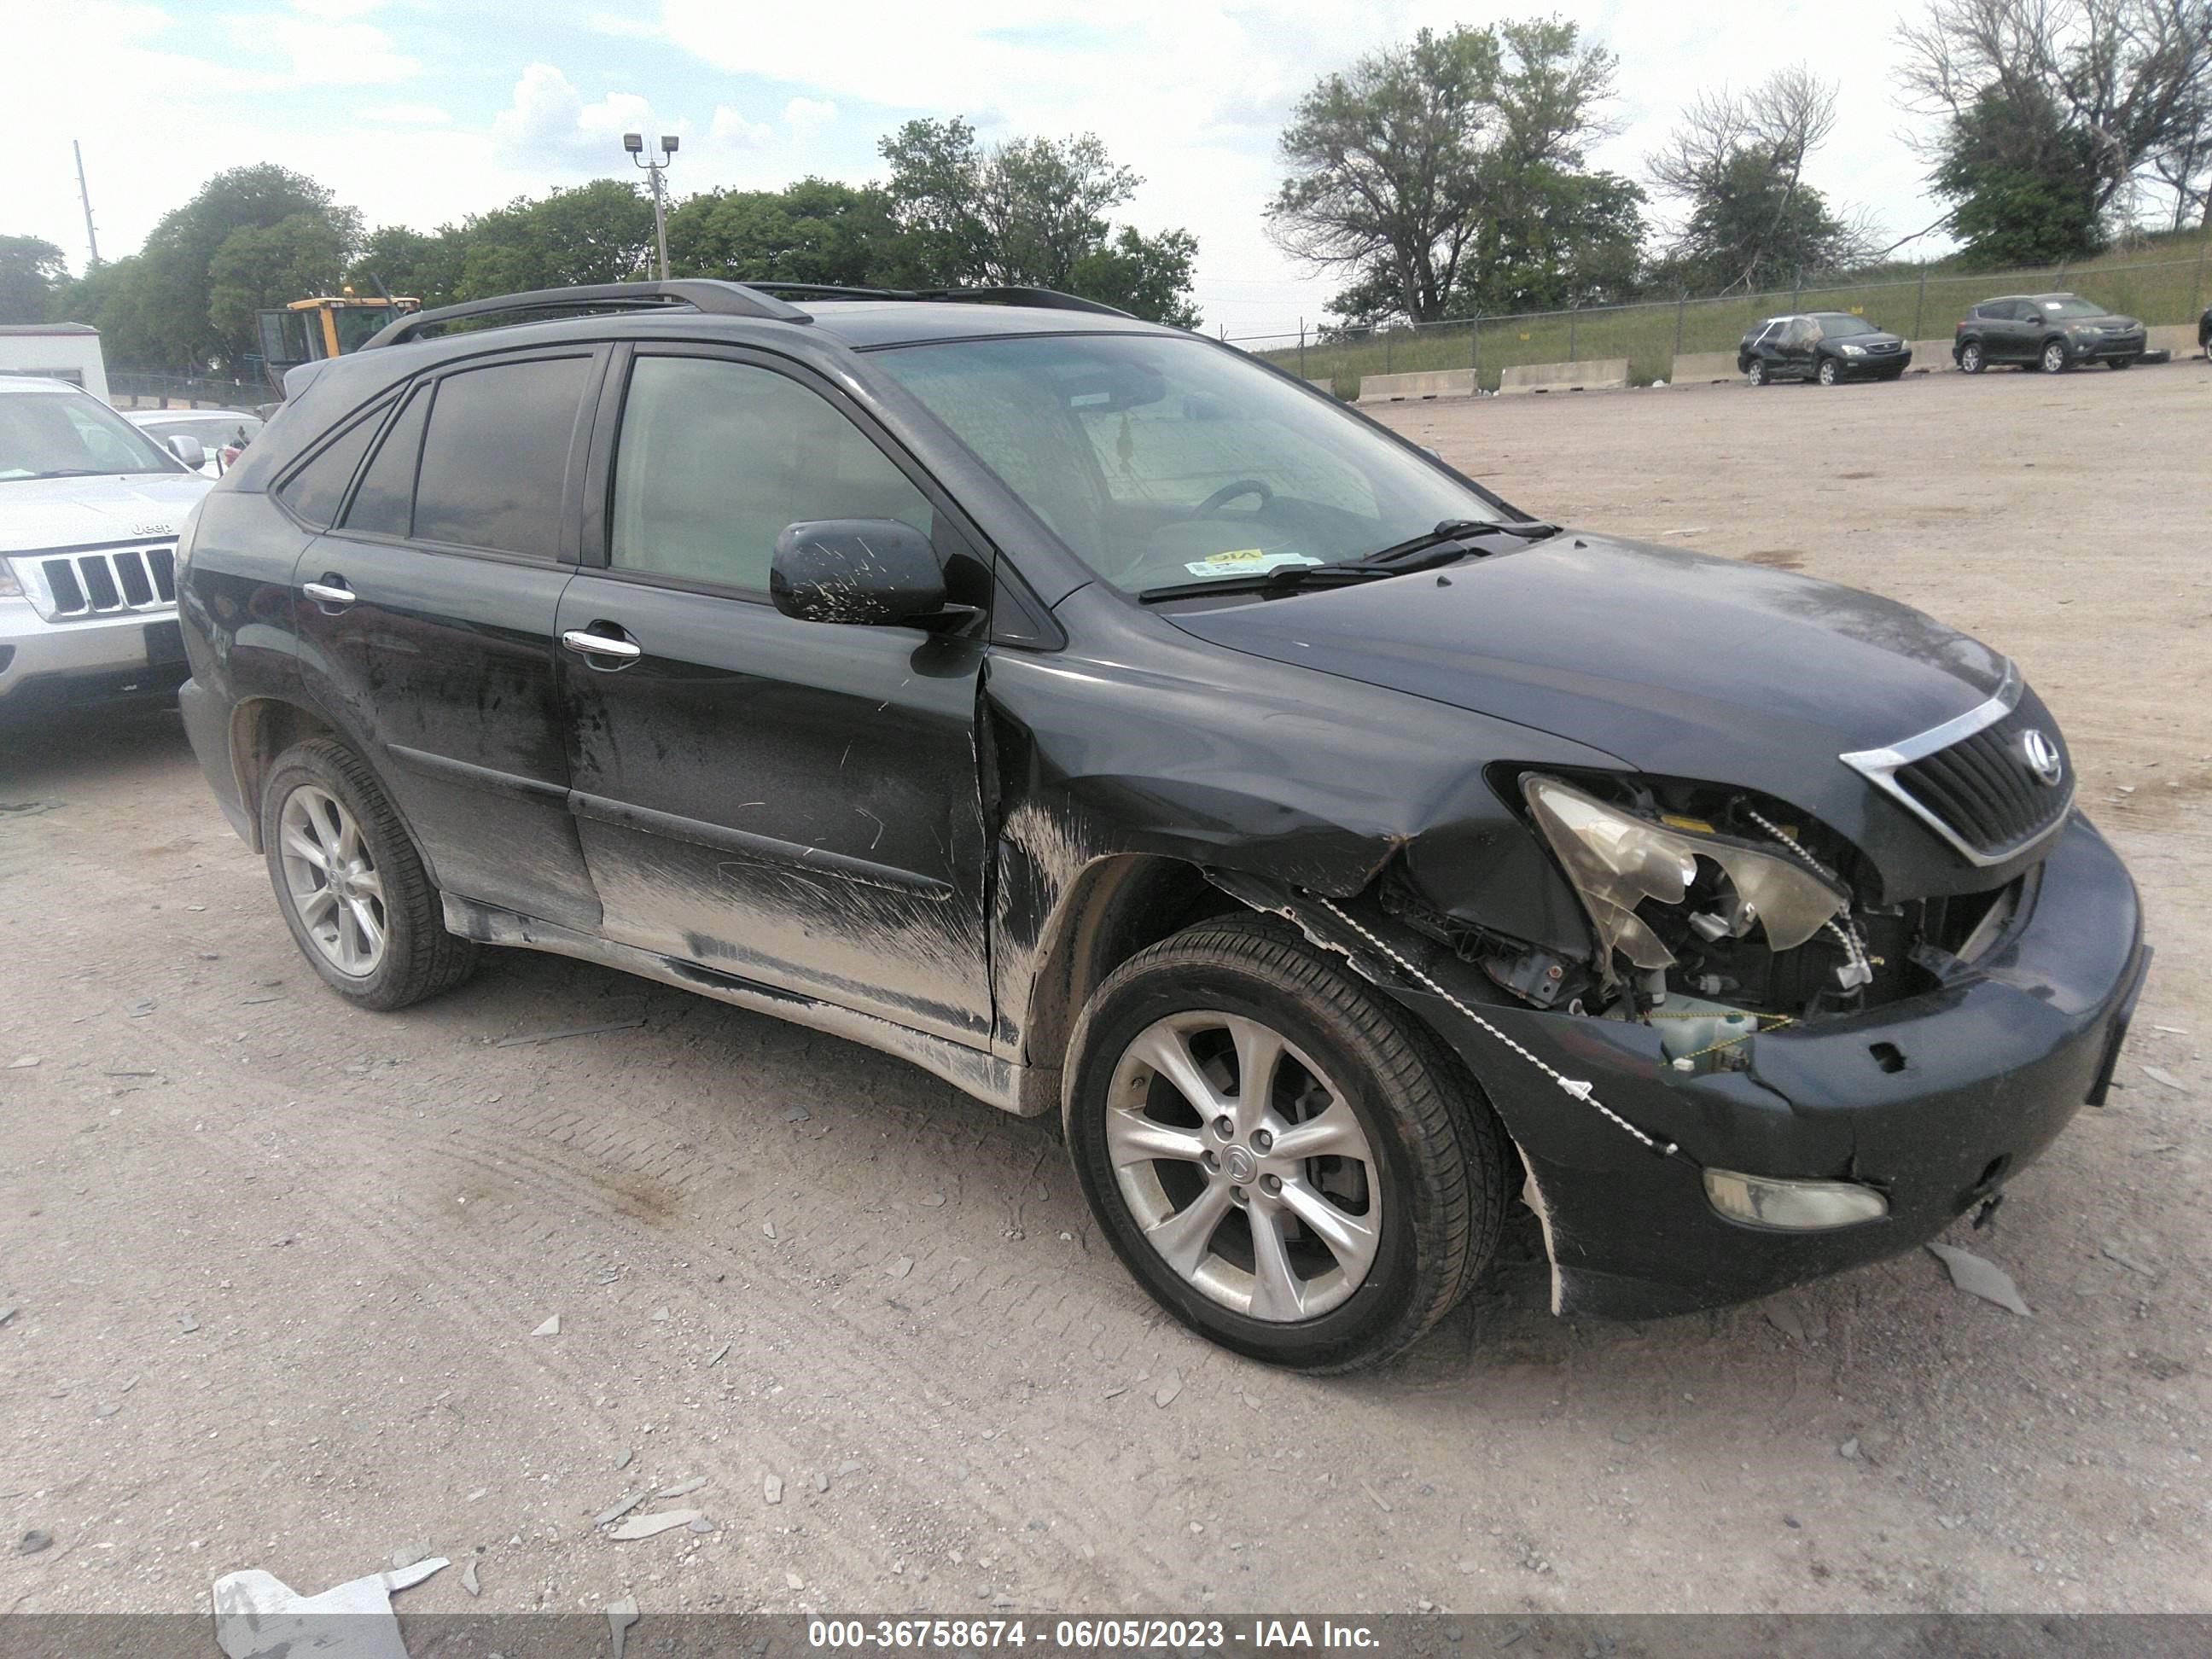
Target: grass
x: 2169, y: 280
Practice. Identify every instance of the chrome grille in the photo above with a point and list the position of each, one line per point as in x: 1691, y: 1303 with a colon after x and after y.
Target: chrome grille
x: 1971, y: 780
x: 108, y: 582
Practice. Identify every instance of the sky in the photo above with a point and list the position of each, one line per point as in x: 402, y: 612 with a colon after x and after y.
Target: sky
x: 418, y: 112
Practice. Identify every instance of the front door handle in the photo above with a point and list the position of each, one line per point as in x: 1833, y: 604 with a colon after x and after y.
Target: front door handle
x: 331, y: 590
x: 602, y: 645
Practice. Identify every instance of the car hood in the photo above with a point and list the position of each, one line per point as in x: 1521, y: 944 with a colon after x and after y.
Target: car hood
x: 1677, y: 663
x: 37, y: 515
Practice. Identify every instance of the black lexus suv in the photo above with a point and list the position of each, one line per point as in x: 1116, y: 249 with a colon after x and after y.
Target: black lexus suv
x: 1823, y: 347
x: 1121, y: 729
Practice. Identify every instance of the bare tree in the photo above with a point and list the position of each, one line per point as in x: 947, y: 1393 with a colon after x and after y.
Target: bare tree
x: 2135, y: 76
x: 1736, y: 164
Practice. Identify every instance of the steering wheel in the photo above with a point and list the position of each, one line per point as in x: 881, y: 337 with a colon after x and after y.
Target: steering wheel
x: 1229, y: 492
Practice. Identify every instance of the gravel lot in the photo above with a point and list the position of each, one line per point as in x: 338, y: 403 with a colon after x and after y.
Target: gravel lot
x: 276, y: 1264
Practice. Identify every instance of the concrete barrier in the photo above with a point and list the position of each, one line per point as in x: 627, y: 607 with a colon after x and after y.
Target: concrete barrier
x: 1695, y: 368
x: 1426, y: 383
x: 1594, y: 374
x: 2180, y: 338
x: 1931, y: 356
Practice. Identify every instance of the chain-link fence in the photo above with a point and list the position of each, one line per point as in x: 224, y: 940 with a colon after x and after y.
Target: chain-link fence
x: 1651, y: 335
x: 127, y: 389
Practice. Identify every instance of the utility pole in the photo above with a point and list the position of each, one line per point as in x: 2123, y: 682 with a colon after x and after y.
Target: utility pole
x: 92, y: 241
x: 635, y: 143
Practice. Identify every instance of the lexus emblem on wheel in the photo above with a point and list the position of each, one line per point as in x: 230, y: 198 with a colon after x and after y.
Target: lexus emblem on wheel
x: 2043, y: 757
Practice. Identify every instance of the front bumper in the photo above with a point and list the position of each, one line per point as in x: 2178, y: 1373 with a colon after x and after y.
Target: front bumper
x: 49, y: 665
x: 1936, y: 1101
x: 2103, y: 348
x: 1873, y: 367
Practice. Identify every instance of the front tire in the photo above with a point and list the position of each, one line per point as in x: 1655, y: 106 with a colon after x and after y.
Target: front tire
x: 2055, y: 359
x: 1322, y: 1219
x: 1830, y: 372
x: 351, y: 885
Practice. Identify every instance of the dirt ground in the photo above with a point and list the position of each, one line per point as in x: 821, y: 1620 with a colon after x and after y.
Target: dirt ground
x: 275, y: 1264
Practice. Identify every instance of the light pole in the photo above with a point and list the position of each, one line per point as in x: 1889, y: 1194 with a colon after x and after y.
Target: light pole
x: 635, y: 143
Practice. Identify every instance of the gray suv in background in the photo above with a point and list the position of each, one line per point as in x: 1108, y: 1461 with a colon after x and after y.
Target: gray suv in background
x: 2053, y: 331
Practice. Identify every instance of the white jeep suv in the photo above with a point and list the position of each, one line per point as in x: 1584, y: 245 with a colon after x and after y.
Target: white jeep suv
x: 89, y: 511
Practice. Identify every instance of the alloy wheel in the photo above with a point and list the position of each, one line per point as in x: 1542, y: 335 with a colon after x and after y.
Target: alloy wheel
x: 1244, y: 1166
x: 1970, y: 357
x: 2054, y: 358
x: 332, y: 880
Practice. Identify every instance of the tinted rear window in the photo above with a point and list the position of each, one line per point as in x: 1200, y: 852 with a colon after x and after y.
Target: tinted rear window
x: 381, y: 505
x: 315, y: 491
x: 497, y: 456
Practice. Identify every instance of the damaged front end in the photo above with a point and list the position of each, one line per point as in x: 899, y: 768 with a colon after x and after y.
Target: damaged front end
x: 1712, y: 915
x: 1733, y: 1062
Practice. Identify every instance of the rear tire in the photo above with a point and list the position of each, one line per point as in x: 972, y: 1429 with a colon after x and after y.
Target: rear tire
x: 351, y: 886
x: 1350, y: 1254
x: 1756, y: 374
x: 1973, y: 360
x: 2120, y: 362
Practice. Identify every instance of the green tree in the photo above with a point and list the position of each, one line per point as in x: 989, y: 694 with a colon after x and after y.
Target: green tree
x: 1029, y: 213
x: 1736, y: 165
x: 33, y: 274
x: 601, y: 232
x: 265, y: 265
x: 1149, y: 276
x: 422, y: 265
x: 2023, y: 184
x: 171, y: 282
x: 1428, y: 174
x: 815, y: 231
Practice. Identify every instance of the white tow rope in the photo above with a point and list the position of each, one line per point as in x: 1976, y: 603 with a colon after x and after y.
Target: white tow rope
x: 1581, y: 1090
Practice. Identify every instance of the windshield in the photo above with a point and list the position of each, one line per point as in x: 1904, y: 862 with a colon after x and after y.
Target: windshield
x: 355, y: 323
x: 2073, y: 306
x: 59, y: 435
x: 1836, y: 328
x: 1162, y: 461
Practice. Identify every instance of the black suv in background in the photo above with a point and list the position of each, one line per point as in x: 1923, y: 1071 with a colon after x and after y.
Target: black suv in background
x: 1821, y: 346
x: 1119, y: 728
x: 2051, y: 332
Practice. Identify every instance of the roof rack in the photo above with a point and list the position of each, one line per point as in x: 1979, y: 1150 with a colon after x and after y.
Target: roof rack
x: 1040, y: 299
x: 715, y: 298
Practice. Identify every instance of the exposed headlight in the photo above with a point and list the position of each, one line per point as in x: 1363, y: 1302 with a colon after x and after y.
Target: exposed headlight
x: 1852, y: 350
x: 9, y: 587
x: 1793, y: 1206
x: 1616, y: 860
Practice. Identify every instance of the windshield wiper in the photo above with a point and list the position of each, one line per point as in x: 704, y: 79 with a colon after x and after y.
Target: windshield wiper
x: 1445, y: 544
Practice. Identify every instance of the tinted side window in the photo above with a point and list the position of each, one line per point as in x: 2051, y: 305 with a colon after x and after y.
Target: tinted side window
x: 715, y: 458
x: 315, y: 491
x: 496, y: 456
x: 386, y: 496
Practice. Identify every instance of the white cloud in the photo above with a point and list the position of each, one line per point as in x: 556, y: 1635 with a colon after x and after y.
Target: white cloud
x: 731, y: 127
x: 336, y: 9
x: 808, y: 116
x: 548, y: 126
x: 324, y: 52
x: 409, y: 115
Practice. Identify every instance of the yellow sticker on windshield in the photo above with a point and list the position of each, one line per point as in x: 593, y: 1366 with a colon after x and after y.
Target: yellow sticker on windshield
x: 1245, y: 561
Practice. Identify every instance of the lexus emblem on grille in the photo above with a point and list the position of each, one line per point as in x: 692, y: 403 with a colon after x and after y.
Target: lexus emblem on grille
x: 2043, y: 757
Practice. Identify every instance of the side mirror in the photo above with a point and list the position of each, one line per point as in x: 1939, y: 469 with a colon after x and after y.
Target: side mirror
x: 867, y: 571
x: 186, y: 448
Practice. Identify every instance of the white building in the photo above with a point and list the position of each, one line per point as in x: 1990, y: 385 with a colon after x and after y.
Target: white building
x: 61, y: 351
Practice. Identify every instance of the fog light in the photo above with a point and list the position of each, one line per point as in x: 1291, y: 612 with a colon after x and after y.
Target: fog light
x: 1794, y: 1205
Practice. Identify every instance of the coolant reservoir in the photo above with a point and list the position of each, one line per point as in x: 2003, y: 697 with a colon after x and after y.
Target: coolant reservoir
x: 1689, y: 1026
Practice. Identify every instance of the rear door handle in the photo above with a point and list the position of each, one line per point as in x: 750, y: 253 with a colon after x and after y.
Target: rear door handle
x: 602, y: 645
x: 331, y: 590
